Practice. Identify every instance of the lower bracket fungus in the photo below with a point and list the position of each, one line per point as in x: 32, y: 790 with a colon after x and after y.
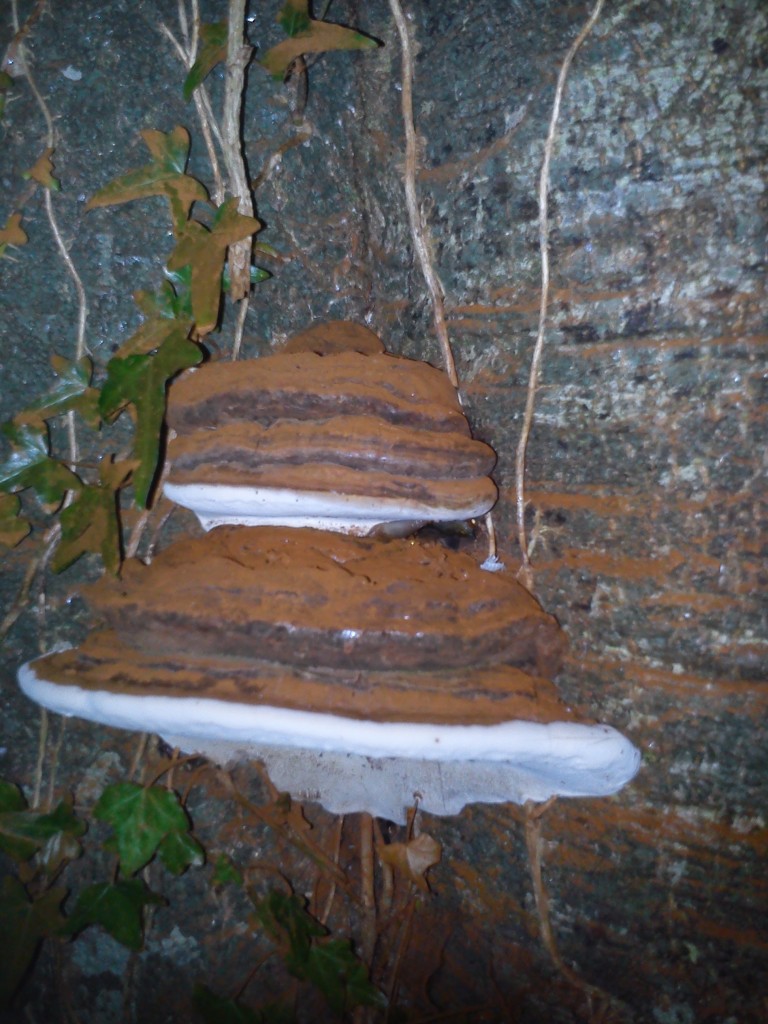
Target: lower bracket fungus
x: 366, y: 674
x: 331, y: 432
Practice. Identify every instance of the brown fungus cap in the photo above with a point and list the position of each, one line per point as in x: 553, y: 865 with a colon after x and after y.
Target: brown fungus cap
x: 323, y: 622
x: 318, y: 600
x: 329, y: 427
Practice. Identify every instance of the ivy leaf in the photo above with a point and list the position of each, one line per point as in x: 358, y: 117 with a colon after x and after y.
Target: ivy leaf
x: 117, y: 906
x: 163, y: 176
x: 11, y: 797
x: 90, y: 522
x: 414, y: 858
x: 331, y: 965
x: 13, y: 528
x: 30, y: 465
x: 23, y: 924
x: 294, y: 17
x: 213, y: 50
x: 56, y: 852
x: 23, y: 832
x: 13, y: 233
x: 42, y: 171
x: 154, y: 333
x: 71, y: 390
x: 143, y: 819
x: 140, y: 381
x: 257, y: 275
x: 217, y: 1010
x: 5, y: 84
x: 179, y: 851
x: 226, y: 872
x: 204, y: 251
x: 309, y: 36
x: 285, y: 917
x: 340, y: 975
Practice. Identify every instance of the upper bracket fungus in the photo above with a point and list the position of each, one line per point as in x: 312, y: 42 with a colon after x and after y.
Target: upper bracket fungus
x: 331, y: 432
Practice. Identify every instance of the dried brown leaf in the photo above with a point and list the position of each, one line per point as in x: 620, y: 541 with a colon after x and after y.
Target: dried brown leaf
x: 414, y: 858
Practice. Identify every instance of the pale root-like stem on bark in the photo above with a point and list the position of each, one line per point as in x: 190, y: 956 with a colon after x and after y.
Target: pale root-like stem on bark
x: 238, y: 56
x: 187, y: 53
x: 419, y: 231
x: 525, y: 573
x: 23, y: 67
x: 42, y: 741
x: 323, y: 918
x: 534, y: 816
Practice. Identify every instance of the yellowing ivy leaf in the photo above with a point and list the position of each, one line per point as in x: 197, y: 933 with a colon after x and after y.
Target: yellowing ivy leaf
x: 414, y: 858
x: 71, y: 390
x: 13, y: 528
x: 42, y: 171
x: 163, y: 176
x: 205, y: 251
x: 141, y: 381
x: 5, y: 84
x: 12, y: 233
x: 24, y: 832
x: 213, y: 50
x: 90, y: 522
x: 309, y: 36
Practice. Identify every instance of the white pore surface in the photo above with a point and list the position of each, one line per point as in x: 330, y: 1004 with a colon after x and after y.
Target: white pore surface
x: 349, y: 765
x: 224, y: 504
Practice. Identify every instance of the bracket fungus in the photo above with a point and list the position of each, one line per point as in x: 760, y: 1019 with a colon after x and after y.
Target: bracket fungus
x: 331, y: 432
x: 366, y: 673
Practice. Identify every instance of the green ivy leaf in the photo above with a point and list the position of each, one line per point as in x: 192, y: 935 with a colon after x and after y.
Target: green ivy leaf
x: 13, y: 233
x: 11, y: 797
x: 30, y: 465
x: 56, y: 852
x: 140, y: 381
x: 71, y: 390
x: 213, y: 50
x: 5, y: 84
x: 13, y: 528
x: 23, y: 924
x: 143, y: 818
x: 309, y: 36
x: 163, y: 176
x: 23, y: 832
x: 90, y: 522
x: 204, y: 251
x: 117, y: 906
x: 340, y: 975
x: 179, y: 851
x: 257, y: 275
x: 226, y: 872
x: 217, y: 1010
x: 154, y: 333
x: 330, y: 965
x: 294, y: 17
x: 285, y: 917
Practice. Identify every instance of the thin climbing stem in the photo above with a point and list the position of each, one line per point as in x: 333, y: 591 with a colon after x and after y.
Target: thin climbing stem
x: 419, y: 231
x: 526, y: 572
x: 238, y: 56
x: 534, y: 817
